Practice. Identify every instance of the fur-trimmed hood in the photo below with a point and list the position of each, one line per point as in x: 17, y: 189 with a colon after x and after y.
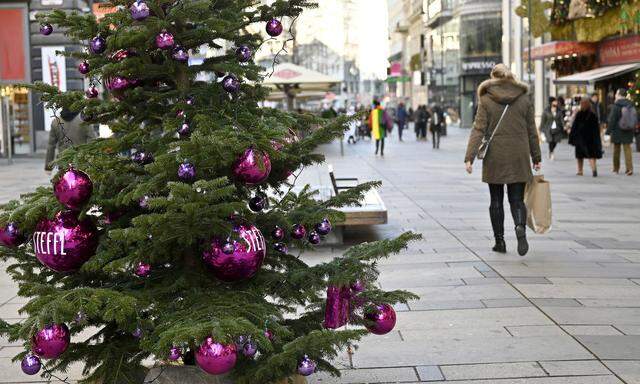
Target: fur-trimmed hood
x: 502, y: 91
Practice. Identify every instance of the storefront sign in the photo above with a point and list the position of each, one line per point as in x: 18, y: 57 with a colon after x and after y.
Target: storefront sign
x: 12, y: 45
x: 482, y: 66
x: 624, y: 50
x: 396, y: 69
x: 54, y: 72
x: 560, y: 49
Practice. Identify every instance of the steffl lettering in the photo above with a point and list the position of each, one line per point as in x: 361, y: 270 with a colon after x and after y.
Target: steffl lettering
x: 49, y: 243
x: 255, y: 241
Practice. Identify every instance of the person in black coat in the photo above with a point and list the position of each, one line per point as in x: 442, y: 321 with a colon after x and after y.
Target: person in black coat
x: 585, y: 136
x: 551, y: 126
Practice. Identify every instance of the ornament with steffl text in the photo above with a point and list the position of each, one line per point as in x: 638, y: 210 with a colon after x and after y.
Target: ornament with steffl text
x: 245, y: 260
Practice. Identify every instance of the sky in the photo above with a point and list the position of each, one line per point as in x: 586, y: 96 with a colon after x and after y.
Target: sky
x: 374, y: 38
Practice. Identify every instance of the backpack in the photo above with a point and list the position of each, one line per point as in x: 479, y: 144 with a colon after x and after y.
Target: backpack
x: 628, y: 119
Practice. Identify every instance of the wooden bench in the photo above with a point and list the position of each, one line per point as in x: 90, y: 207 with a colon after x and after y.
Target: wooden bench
x: 372, y: 210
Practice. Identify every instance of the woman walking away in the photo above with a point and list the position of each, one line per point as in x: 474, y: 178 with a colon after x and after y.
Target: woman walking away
x: 379, y: 123
x: 585, y: 136
x: 505, y: 118
x: 551, y: 125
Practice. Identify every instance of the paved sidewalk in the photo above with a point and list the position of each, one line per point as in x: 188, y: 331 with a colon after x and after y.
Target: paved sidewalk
x: 568, y: 313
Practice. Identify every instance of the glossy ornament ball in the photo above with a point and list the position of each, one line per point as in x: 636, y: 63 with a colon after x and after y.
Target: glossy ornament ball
x: 252, y: 167
x: 73, y: 189
x: 245, y: 260
x: 180, y: 54
x: 274, y: 27
x: 277, y: 233
x: 65, y: 243
x: 314, y: 238
x: 122, y: 54
x: 117, y: 83
x: 142, y: 158
x: 281, y: 247
x: 10, y: 236
x: 358, y: 286
x: 258, y: 203
x: 97, y: 45
x: 298, y: 231
x: 184, y: 130
x: 137, y: 333
x: 31, y: 364
x: 175, y: 353
x: 51, y: 341
x: 306, y: 366
x: 164, y: 40
x: 91, y: 92
x: 216, y: 358
x: 84, y: 67
x: 186, y: 172
x: 243, y: 53
x: 144, y: 202
x: 231, y: 84
x: 250, y: 348
x: 190, y: 100
x: 46, y: 29
x: 382, y: 318
x: 269, y: 335
x: 142, y: 270
x: 139, y: 10
x: 324, y: 227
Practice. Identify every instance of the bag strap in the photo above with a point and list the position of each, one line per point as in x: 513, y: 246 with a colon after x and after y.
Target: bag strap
x: 504, y: 112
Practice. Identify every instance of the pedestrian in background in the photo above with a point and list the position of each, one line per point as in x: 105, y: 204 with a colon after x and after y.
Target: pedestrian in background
x: 598, y: 109
x: 401, y: 119
x: 422, y: 119
x: 551, y: 125
x: 621, y: 117
x: 437, y: 125
x: 585, y: 136
x: 379, y: 123
x: 411, y: 119
x: 66, y: 131
x: 513, y: 146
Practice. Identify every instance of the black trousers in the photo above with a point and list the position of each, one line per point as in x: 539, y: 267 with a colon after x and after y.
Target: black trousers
x: 400, y: 129
x: 552, y: 146
x: 515, y: 193
x: 435, y: 135
x: 380, y: 145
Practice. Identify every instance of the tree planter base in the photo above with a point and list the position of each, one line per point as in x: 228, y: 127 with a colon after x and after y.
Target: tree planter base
x: 176, y: 374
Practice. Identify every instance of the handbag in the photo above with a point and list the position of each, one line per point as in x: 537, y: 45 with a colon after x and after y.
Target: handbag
x: 484, y: 146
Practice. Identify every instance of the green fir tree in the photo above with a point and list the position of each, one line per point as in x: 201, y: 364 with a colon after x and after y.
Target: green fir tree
x: 146, y: 215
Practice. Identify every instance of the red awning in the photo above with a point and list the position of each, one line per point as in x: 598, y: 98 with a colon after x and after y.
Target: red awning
x: 12, y: 45
x: 561, y: 49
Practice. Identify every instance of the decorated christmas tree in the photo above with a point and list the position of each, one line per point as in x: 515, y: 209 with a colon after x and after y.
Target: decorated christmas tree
x: 168, y: 242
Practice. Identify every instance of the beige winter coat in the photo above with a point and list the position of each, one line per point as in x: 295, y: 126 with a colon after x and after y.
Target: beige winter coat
x: 516, y: 142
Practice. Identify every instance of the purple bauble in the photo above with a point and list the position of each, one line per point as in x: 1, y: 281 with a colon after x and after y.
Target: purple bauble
x: 314, y: 238
x: 98, y: 45
x: 91, y: 93
x: 117, y: 83
x: 46, y: 29
x: 281, y: 247
x: 180, y: 113
x: 164, y: 40
x: 83, y: 67
x: 382, y: 318
x: 10, y: 235
x: 65, y: 243
x: 80, y: 318
x: 144, y: 202
x: 298, y: 231
x: 306, y: 366
x: 231, y: 84
x: 137, y: 333
x: 253, y: 167
x: 277, y: 233
x: 274, y: 27
x: 142, y: 269
x: 139, y: 10
x: 175, y: 353
x: 180, y: 54
x: 250, y: 348
x: 258, y: 203
x: 243, y: 53
x: 245, y: 260
x: 216, y: 358
x: 269, y: 335
x: 186, y: 172
x: 73, y: 189
x: 51, y: 341
x: 190, y: 100
x: 184, y: 130
x: 358, y: 286
x: 142, y: 158
x: 324, y: 227
x: 31, y: 364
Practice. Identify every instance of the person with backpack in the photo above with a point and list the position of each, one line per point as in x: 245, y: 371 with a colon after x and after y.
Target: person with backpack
x: 621, y: 126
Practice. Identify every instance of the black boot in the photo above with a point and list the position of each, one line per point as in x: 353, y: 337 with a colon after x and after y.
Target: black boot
x: 519, y: 212
x: 497, y: 222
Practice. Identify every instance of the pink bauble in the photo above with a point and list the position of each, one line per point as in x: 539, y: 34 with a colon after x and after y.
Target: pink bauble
x: 65, y: 243
x: 164, y: 40
x: 382, y: 319
x: 73, y: 189
x: 51, y: 341
x: 117, y: 83
x: 10, y: 235
x: 244, y: 260
x: 252, y: 167
x: 216, y: 358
